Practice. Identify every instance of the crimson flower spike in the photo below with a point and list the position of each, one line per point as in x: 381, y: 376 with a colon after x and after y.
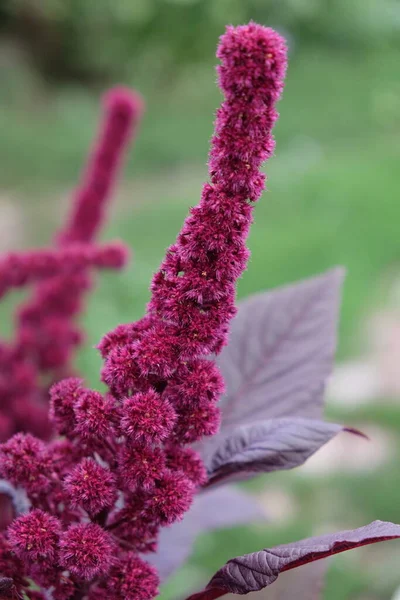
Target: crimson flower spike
x: 195, y: 287
x: 57, y: 301
x: 131, y: 443
x: 158, y: 362
x: 122, y: 112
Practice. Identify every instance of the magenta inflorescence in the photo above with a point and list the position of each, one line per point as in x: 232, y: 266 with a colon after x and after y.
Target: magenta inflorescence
x: 46, y: 332
x: 123, y: 467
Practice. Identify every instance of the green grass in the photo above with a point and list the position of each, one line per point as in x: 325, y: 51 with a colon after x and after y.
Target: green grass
x: 333, y: 199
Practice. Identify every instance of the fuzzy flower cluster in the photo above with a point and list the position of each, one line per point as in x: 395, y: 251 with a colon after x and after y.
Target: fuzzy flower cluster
x: 46, y: 332
x: 124, y: 466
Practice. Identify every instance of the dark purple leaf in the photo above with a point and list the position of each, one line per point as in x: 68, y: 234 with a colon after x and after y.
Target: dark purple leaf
x: 254, y: 572
x: 280, y: 353
x: 304, y: 583
x: 268, y: 446
x: 214, y: 509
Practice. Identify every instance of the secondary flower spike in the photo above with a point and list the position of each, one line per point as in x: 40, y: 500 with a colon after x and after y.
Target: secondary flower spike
x: 123, y: 109
x: 47, y: 333
x: 123, y: 469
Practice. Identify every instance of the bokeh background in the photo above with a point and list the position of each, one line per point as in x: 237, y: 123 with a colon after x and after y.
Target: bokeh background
x: 333, y: 198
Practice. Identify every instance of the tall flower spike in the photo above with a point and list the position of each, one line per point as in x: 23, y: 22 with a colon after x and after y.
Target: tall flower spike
x: 124, y: 470
x: 193, y: 293
x: 122, y: 112
x: 194, y: 289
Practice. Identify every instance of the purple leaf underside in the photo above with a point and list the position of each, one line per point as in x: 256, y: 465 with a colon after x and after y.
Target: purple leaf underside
x: 280, y: 353
x: 268, y: 446
x: 212, y: 509
x: 254, y: 572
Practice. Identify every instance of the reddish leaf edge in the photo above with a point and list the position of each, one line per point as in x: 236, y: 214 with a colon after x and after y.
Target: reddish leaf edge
x: 212, y: 591
x: 355, y: 431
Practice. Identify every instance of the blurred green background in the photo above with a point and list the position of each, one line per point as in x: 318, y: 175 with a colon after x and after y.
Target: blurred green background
x: 332, y: 199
